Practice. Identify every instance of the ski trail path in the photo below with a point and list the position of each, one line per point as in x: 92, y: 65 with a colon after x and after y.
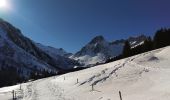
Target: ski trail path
x: 43, y: 90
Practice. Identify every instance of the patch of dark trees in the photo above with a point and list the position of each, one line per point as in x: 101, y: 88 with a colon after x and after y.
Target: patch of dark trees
x: 160, y: 39
x: 9, y: 76
x: 12, y: 76
x: 71, y: 70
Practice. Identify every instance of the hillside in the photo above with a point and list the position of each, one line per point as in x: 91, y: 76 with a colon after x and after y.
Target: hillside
x: 141, y: 77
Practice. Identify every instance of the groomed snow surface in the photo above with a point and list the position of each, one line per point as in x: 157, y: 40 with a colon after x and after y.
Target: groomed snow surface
x: 142, y: 77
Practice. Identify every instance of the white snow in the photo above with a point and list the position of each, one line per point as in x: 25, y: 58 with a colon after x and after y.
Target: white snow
x: 141, y: 77
x: 137, y: 44
x: 6, y: 92
x: 8, y: 89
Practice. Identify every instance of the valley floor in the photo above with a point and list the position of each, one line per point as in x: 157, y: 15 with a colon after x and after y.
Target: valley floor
x: 141, y: 77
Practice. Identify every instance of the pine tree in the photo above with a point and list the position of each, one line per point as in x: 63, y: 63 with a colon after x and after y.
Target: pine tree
x: 127, y: 49
x: 148, y: 45
x: 161, y: 38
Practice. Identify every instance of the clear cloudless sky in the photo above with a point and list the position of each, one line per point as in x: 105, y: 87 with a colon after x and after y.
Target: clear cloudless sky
x: 70, y: 24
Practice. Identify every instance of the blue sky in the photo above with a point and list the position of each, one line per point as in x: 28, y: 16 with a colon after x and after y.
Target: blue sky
x: 70, y: 24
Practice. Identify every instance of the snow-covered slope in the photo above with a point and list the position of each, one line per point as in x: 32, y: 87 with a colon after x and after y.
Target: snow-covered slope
x: 99, y: 50
x: 5, y: 92
x: 141, y: 77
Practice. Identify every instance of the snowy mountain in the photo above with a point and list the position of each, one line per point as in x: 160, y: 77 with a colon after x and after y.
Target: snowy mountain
x: 98, y: 50
x: 20, y: 52
x: 141, y: 77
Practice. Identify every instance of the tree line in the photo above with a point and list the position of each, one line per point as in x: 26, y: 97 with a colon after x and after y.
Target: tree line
x: 160, y: 39
x: 9, y: 76
x: 12, y: 76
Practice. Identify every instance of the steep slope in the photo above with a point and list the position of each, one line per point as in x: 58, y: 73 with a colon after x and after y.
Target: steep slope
x: 99, y: 50
x: 12, y: 47
x: 20, y: 52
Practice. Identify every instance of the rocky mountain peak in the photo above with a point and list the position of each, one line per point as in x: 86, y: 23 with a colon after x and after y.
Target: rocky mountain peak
x: 97, y: 39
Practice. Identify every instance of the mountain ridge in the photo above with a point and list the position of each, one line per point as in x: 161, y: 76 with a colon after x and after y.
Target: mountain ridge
x: 14, y: 44
x: 98, y: 50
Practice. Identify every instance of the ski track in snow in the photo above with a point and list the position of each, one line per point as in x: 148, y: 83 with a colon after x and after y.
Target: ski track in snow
x: 51, y: 91
x: 43, y: 90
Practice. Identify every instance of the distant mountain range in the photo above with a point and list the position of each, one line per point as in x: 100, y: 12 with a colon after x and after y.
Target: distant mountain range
x: 20, y: 52
x: 98, y: 50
